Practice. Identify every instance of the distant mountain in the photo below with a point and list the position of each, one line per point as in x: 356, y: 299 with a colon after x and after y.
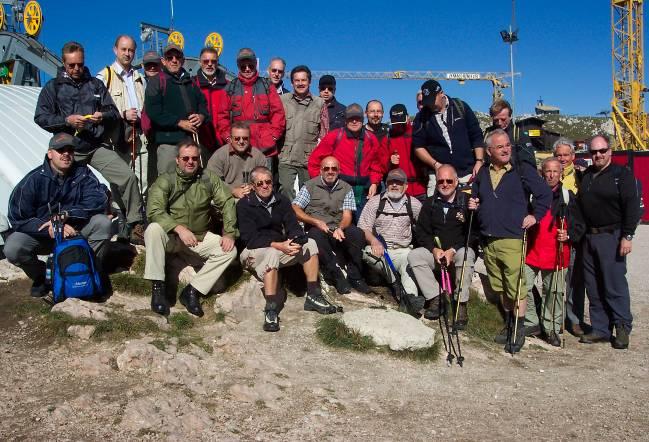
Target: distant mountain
x: 573, y: 127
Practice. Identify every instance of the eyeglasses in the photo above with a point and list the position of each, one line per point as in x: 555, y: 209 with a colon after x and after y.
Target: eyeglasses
x: 150, y: 66
x: 240, y: 138
x: 74, y: 65
x: 186, y: 159
x: 328, y: 88
x: 210, y: 61
x: 439, y: 182
x: 66, y: 149
x: 247, y: 66
x: 599, y: 151
x: 395, y: 183
x: 277, y: 71
x: 264, y: 182
x: 172, y: 56
x: 330, y: 168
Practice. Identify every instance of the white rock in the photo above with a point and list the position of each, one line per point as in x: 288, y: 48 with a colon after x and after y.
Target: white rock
x: 78, y: 308
x: 244, y: 303
x: 397, y: 330
x: 9, y: 272
x: 139, y: 355
x: 81, y: 331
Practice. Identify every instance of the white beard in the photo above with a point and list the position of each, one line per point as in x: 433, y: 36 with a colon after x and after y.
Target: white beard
x: 395, y: 195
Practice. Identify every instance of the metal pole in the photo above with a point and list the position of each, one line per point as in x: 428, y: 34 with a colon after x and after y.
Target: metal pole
x: 511, y: 65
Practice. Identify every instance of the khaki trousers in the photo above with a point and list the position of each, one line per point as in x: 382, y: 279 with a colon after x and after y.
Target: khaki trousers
x: 259, y: 261
x: 399, y: 258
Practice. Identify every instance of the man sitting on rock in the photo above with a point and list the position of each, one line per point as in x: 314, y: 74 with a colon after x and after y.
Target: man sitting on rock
x: 179, y: 209
x: 65, y: 186
x: 445, y: 216
x: 273, y: 238
x: 391, y: 216
x: 325, y: 205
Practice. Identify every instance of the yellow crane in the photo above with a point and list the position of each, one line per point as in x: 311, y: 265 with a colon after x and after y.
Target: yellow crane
x: 629, y: 117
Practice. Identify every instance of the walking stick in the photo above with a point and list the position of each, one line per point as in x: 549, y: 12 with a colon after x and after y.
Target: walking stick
x: 134, y: 148
x: 446, y: 293
x: 461, y: 284
x: 519, y: 283
x: 563, y: 279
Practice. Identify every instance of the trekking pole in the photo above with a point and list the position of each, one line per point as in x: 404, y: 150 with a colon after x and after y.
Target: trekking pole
x: 133, y: 148
x: 460, y: 286
x: 563, y: 278
x: 519, y: 284
x: 446, y: 294
x: 554, y: 287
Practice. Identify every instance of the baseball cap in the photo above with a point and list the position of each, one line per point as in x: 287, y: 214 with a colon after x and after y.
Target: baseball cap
x: 353, y: 110
x: 62, y: 140
x: 398, y: 114
x: 151, y: 57
x: 397, y: 175
x: 429, y: 91
x: 173, y: 47
x: 246, y: 54
x: 327, y: 80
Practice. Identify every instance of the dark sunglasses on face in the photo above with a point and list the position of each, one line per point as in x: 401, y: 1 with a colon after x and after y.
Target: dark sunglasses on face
x: 599, y: 151
x: 209, y: 62
x: 277, y: 71
x: 444, y: 182
x: 330, y: 168
x: 262, y: 182
x: 67, y: 149
x: 328, y: 88
x: 240, y: 138
x: 186, y: 159
x: 150, y: 66
x: 247, y: 66
x: 74, y: 65
x: 172, y: 56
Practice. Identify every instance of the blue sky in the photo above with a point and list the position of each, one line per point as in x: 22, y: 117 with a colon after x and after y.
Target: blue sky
x: 563, y: 53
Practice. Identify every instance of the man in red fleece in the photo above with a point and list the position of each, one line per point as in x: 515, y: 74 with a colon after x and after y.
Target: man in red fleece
x: 212, y: 82
x: 253, y: 99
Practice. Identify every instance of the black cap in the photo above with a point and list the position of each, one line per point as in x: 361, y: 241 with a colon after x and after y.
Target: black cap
x: 62, y: 140
x: 151, y: 57
x: 246, y: 54
x: 354, y: 110
x: 397, y: 175
x: 429, y: 91
x: 327, y: 80
x: 398, y: 114
x: 173, y: 47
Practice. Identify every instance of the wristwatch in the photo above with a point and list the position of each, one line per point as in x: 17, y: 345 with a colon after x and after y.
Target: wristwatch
x: 628, y: 237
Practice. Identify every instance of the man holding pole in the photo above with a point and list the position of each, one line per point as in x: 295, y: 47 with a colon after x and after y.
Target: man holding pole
x: 501, y: 197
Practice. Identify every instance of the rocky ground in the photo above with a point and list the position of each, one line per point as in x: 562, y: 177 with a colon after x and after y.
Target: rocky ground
x: 121, y: 373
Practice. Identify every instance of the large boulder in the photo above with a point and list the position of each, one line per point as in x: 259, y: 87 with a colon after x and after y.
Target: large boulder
x: 397, y: 330
x: 82, y: 309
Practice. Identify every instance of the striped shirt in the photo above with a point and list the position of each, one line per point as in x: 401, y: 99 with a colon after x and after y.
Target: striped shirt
x: 395, y: 230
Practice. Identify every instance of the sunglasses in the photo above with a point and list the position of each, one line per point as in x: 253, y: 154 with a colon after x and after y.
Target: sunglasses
x: 328, y: 88
x: 264, y: 182
x: 173, y: 56
x: 247, y: 66
x: 150, y: 66
x: 66, y: 149
x: 210, y: 61
x: 599, y: 151
x: 277, y: 71
x: 439, y: 182
x: 240, y: 138
x: 74, y: 65
x: 186, y: 159
x: 330, y: 168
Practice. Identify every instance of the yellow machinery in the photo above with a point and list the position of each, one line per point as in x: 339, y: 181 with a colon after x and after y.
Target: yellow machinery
x: 629, y: 117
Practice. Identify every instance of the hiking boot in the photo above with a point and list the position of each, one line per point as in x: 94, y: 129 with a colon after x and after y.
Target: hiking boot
x: 40, y: 288
x: 190, y: 298
x: 159, y: 302
x: 462, y: 317
x: 432, y: 311
x: 576, y: 330
x: 271, y: 318
x: 412, y: 304
x: 515, y: 343
x: 137, y: 234
x: 315, y: 302
x: 501, y: 338
x: 621, y: 339
x: 593, y: 338
x: 553, y: 339
x: 359, y: 285
x: 533, y: 330
x: 342, y: 285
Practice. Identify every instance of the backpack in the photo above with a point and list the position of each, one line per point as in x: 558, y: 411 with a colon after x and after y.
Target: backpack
x: 73, y: 270
x: 380, y: 210
x: 145, y: 121
x: 617, y: 174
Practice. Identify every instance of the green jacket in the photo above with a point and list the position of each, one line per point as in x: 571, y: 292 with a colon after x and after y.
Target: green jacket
x: 191, y: 208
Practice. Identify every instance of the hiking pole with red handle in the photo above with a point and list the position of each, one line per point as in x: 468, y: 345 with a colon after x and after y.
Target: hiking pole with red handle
x: 461, y: 283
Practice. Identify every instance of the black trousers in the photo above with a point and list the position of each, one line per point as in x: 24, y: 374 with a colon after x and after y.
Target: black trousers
x: 346, y: 254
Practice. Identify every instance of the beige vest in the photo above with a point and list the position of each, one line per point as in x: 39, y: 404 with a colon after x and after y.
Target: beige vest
x: 302, y: 129
x: 117, y: 91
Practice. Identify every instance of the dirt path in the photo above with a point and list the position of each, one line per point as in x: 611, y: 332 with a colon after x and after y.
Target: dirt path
x: 288, y: 386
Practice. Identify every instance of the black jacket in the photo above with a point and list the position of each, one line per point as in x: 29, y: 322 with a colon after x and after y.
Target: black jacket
x: 451, y: 227
x: 336, y: 114
x: 576, y: 224
x: 258, y: 228
x: 62, y: 97
x: 79, y: 193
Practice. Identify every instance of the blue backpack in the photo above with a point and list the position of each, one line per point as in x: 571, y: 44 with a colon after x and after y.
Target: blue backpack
x: 74, y: 274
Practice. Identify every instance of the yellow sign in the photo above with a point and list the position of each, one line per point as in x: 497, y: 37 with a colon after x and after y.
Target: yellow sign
x: 2, y: 17
x: 176, y: 38
x: 32, y: 18
x: 534, y: 132
x: 214, y: 40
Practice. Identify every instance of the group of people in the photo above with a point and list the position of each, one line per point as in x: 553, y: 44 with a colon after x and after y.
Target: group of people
x: 400, y: 201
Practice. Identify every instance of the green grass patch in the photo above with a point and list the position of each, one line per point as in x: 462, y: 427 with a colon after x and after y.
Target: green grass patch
x: 138, y: 264
x: 130, y: 283
x: 54, y: 325
x: 119, y: 327
x: 334, y: 333
x: 180, y: 322
x: 485, y: 320
x: 219, y: 316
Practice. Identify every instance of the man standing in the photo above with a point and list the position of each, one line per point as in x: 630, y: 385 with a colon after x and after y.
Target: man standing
x: 502, y: 197
x: 391, y: 215
x: 79, y: 104
x: 307, y: 122
x: 211, y: 80
x: 151, y: 63
x: 325, y: 205
x: 126, y: 87
x: 253, y: 99
x: 609, y: 201
x: 276, y: 70
x: 374, y: 112
x: 564, y: 151
x: 444, y: 216
x: 548, y: 253
x: 176, y: 107
x: 179, y: 213
x: 357, y: 151
x: 273, y: 238
x: 327, y: 87
x: 446, y: 131
x: 399, y: 149
x: 58, y: 181
x: 234, y: 161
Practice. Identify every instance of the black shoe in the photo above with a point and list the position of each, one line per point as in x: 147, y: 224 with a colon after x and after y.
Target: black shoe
x: 515, y: 343
x: 432, y: 311
x: 342, y: 286
x: 359, y: 285
x: 136, y: 236
x: 621, y: 339
x: 39, y: 288
x: 315, y: 302
x: 592, y: 338
x: 462, y: 317
x: 501, y: 338
x: 553, y: 339
x: 190, y: 298
x: 159, y: 302
x: 533, y: 330
x: 271, y: 318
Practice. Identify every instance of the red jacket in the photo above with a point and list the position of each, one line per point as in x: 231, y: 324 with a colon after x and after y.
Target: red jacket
x: 253, y: 100
x: 402, y: 145
x: 340, y: 144
x: 214, y: 93
x: 542, y: 244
